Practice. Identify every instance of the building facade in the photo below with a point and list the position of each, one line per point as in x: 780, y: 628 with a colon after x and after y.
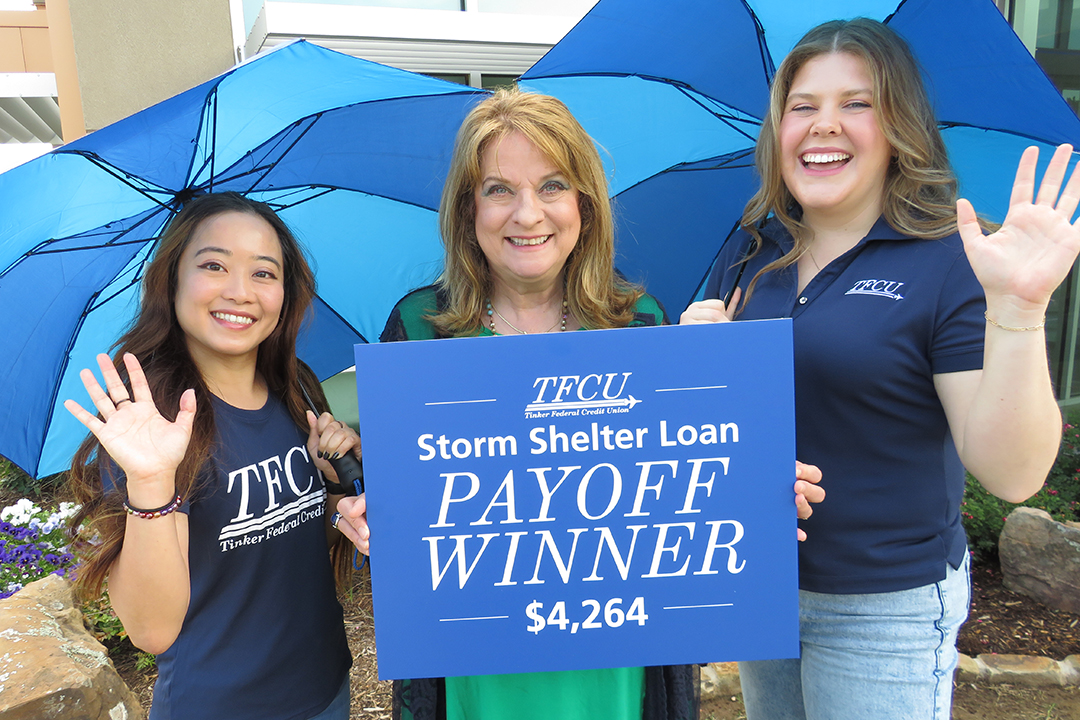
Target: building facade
x: 67, y: 68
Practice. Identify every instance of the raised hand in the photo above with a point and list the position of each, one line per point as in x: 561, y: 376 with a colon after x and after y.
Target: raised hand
x: 1024, y: 261
x: 147, y: 447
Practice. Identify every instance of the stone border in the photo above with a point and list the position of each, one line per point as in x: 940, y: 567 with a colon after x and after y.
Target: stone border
x: 722, y: 679
x: 1030, y: 670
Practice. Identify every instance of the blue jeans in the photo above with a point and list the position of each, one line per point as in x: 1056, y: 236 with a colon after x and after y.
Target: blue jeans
x: 339, y: 708
x: 883, y: 655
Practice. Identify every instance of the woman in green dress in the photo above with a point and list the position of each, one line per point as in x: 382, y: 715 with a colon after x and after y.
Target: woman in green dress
x: 529, y: 238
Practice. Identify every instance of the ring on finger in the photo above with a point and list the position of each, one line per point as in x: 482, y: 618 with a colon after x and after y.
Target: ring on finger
x: 122, y: 400
x: 334, y: 520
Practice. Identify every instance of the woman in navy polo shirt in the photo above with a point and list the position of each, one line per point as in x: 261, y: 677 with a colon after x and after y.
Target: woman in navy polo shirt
x: 919, y: 351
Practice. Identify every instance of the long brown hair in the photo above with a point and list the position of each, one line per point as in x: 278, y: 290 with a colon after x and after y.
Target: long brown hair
x: 159, y: 343
x: 597, y: 295
x: 920, y: 187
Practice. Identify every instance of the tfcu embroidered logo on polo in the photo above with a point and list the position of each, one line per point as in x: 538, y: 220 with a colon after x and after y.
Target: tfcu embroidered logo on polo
x: 882, y: 288
x: 595, y: 394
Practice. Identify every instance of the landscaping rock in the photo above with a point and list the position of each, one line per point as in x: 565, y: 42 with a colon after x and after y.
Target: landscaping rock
x: 51, y: 668
x: 720, y: 680
x: 1041, y: 558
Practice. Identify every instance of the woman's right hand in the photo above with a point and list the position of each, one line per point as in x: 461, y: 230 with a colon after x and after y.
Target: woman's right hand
x: 353, y: 522
x: 711, y: 311
x: 147, y: 447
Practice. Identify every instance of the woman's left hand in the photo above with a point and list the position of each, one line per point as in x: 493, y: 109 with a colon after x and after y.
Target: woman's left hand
x: 1021, y: 264
x: 807, y: 490
x: 330, y: 439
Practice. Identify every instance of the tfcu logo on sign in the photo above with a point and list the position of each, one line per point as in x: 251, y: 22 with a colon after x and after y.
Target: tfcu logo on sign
x: 570, y: 395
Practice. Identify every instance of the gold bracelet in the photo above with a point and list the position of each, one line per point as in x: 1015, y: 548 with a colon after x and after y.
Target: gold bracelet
x: 1040, y: 326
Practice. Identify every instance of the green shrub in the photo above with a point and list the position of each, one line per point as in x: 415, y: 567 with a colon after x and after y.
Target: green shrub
x: 984, y: 515
x: 14, y: 481
x: 102, y: 620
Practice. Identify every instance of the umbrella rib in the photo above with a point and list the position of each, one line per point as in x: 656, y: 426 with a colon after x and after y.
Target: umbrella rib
x: 124, y: 177
x: 40, y: 249
x: 313, y: 118
x: 325, y: 191
x: 263, y: 168
x: 213, y: 139
x: 946, y: 124
x: 331, y: 188
x: 78, y: 248
x: 270, y: 167
x: 136, y: 279
x: 718, y: 116
x: 893, y: 13
x: 681, y: 167
x: 211, y: 100
x: 763, y: 46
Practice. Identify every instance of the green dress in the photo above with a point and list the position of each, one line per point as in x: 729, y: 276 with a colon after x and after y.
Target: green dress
x: 608, y: 694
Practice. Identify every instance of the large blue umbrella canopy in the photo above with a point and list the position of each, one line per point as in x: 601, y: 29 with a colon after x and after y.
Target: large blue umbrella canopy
x: 352, y: 154
x: 674, y: 94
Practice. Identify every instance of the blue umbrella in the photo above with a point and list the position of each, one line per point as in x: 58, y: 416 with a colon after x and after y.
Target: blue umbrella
x: 674, y: 94
x: 351, y: 153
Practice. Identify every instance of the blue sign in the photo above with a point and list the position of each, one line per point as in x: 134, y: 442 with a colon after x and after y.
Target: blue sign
x: 564, y: 501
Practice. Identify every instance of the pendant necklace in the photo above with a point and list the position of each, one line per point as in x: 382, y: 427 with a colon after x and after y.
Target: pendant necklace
x: 491, y: 320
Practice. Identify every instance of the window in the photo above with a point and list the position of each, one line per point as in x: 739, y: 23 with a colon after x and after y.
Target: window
x: 489, y: 81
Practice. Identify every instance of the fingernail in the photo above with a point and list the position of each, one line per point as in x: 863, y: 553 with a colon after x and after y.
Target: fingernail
x: 336, y: 456
x: 321, y: 456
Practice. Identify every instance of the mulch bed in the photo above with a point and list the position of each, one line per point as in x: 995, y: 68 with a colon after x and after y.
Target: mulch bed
x: 1003, y: 622
x: 1000, y: 622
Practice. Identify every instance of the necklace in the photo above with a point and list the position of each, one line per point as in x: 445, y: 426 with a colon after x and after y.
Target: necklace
x: 491, y: 320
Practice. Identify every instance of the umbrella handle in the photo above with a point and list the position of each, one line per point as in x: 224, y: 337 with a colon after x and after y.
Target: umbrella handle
x: 350, y: 471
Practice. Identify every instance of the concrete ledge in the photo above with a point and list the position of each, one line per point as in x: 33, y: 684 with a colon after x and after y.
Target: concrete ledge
x: 722, y: 679
x: 1029, y: 670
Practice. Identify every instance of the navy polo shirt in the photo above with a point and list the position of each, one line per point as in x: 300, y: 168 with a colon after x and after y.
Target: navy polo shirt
x: 870, y: 332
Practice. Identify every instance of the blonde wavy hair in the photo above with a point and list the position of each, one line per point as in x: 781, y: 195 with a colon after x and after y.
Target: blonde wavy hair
x: 596, y: 294
x: 920, y: 187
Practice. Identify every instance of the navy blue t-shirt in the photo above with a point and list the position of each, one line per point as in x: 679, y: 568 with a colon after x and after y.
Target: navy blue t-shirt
x: 263, y: 638
x: 870, y: 332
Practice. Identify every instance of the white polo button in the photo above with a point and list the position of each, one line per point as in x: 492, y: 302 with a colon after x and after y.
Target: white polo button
x: 802, y: 300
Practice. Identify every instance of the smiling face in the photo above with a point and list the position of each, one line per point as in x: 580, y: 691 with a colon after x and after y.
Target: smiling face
x: 527, y: 216
x: 834, y: 155
x: 229, y: 289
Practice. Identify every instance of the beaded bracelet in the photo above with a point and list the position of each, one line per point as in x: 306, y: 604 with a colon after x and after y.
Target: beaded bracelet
x: 156, y: 512
x: 990, y: 320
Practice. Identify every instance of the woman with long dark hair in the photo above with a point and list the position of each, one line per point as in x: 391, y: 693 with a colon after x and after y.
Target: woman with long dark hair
x: 201, y: 479
x: 919, y: 351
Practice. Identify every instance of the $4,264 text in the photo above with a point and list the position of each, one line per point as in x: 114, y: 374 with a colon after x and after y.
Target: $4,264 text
x: 613, y: 615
